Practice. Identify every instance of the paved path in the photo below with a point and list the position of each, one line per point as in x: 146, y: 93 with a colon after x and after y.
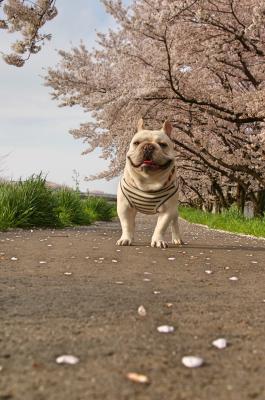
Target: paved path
x: 92, y: 314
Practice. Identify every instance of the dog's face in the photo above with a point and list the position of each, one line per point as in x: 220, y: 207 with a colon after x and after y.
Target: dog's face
x: 151, y: 151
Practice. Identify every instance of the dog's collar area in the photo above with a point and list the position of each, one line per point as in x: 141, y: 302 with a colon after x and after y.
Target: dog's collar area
x: 147, y: 202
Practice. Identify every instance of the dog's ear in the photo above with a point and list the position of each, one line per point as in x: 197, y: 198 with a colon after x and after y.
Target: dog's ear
x: 167, y: 128
x: 140, y: 125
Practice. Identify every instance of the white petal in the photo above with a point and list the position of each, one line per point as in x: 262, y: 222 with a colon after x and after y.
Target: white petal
x: 139, y: 378
x: 233, y: 278
x: 220, y: 343
x: 14, y: 258
x: 171, y: 258
x: 192, y: 361
x: 142, y: 311
x: 67, y: 359
x: 165, y: 329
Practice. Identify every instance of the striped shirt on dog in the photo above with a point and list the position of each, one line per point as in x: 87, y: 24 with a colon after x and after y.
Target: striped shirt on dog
x: 147, y: 202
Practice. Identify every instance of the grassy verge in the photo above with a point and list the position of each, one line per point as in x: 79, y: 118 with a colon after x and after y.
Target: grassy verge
x: 31, y: 204
x: 230, y: 220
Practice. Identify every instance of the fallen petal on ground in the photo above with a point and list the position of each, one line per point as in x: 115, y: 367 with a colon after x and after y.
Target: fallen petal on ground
x: 142, y: 311
x: 165, y: 329
x: 233, y: 278
x: 192, y: 361
x: 67, y: 359
x: 220, y: 343
x: 139, y: 378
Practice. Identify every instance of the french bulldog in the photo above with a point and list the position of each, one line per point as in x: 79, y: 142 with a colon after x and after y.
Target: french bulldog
x: 148, y: 185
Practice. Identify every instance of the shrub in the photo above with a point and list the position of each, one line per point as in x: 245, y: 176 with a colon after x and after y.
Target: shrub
x: 98, y: 208
x: 69, y: 208
x: 32, y: 204
x: 26, y: 204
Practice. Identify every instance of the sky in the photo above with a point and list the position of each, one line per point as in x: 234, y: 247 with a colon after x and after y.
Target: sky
x: 34, y: 131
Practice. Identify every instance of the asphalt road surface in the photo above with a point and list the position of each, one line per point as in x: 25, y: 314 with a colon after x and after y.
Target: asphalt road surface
x: 74, y: 292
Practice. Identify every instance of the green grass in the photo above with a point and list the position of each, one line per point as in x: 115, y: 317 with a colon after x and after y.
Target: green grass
x: 99, y: 209
x: 32, y: 204
x: 26, y: 204
x: 230, y: 220
x: 69, y: 208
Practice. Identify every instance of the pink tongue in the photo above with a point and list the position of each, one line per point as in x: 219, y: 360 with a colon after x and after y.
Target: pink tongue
x: 149, y: 162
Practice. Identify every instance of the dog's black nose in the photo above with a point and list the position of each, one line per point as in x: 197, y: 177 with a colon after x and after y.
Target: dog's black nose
x: 148, y: 150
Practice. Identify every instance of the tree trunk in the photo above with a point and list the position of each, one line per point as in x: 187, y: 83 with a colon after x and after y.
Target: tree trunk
x: 259, y: 203
x: 229, y: 197
x: 240, y: 198
x: 220, y: 201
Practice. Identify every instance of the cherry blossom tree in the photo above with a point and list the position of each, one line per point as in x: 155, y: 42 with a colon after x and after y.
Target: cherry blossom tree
x: 25, y: 17
x: 198, y: 63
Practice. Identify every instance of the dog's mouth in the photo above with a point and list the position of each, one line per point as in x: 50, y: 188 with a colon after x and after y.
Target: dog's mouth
x: 151, y: 164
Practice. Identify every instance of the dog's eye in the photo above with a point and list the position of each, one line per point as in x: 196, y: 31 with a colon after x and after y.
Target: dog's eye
x: 163, y: 144
x: 136, y: 143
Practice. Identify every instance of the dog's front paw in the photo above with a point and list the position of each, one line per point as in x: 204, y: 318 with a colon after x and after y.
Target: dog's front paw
x: 124, y: 242
x: 159, y: 243
x: 177, y: 242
